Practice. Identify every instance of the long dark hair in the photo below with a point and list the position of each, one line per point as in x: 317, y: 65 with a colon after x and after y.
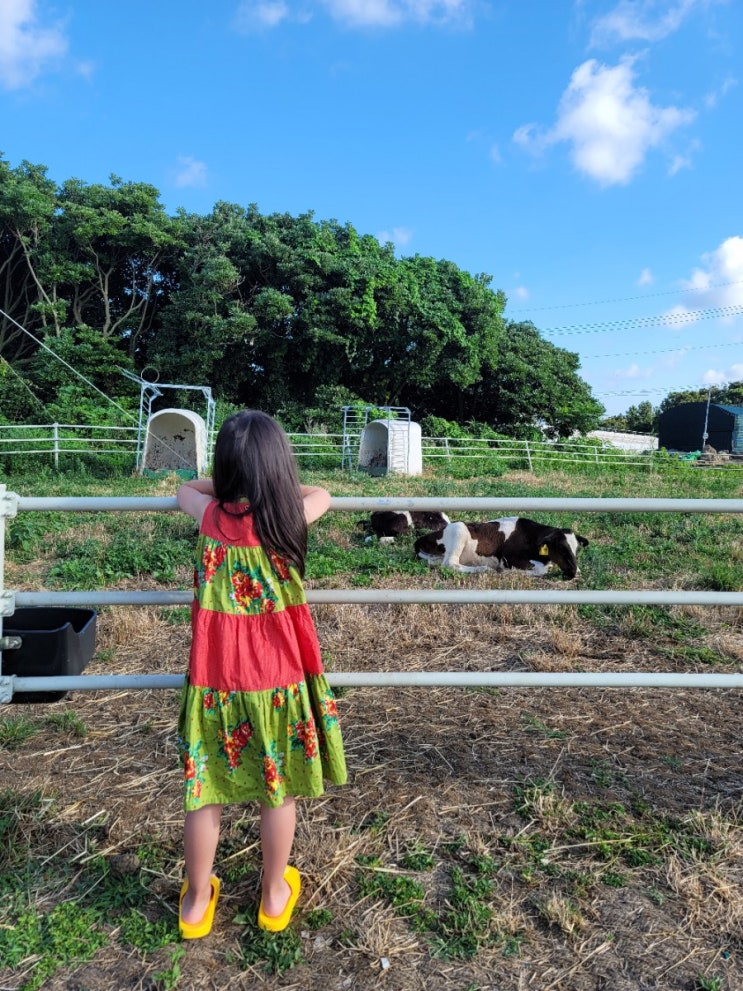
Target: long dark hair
x: 254, y: 463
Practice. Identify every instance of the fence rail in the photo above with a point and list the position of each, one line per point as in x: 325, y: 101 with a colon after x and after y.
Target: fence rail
x: 11, y: 504
x: 60, y: 440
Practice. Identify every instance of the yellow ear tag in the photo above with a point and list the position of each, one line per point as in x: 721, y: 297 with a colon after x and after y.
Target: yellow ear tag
x: 544, y: 551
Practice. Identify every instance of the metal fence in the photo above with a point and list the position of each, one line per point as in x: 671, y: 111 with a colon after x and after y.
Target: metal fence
x: 11, y: 504
x: 60, y: 441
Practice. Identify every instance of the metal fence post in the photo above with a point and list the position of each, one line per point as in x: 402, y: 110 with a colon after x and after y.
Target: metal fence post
x: 8, y: 508
x: 528, y: 456
x: 55, y: 427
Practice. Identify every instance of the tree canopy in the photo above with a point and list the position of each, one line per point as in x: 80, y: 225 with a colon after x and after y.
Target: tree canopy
x: 271, y: 311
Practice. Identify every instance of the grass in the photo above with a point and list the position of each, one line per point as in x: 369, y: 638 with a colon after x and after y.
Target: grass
x: 483, y: 831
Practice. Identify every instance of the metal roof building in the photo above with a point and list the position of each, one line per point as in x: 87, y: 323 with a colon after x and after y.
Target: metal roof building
x: 682, y: 427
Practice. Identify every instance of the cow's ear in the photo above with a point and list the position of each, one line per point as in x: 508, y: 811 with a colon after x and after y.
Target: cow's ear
x: 583, y: 541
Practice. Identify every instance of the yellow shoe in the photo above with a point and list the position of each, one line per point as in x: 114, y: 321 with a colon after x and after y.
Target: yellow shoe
x: 277, y: 923
x: 195, y: 930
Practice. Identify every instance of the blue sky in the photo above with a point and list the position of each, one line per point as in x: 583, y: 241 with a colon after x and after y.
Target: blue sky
x: 587, y: 154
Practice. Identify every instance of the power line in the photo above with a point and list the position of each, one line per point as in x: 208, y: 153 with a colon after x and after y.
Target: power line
x: 695, y: 347
x: 664, y: 320
x: 628, y: 299
x: 665, y: 392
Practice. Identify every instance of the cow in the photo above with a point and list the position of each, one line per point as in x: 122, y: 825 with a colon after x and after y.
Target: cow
x: 499, y: 545
x: 389, y: 523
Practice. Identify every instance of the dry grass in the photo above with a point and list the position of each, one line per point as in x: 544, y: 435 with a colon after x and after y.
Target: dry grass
x: 430, y: 770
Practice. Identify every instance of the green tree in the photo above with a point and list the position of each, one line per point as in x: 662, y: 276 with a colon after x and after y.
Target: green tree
x: 81, y: 366
x: 642, y: 419
x: 535, y: 387
x: 207, y: 332
x: 123, y: 246
x: 616, y: 422
x: 31, y: 266
x: 726, y: 395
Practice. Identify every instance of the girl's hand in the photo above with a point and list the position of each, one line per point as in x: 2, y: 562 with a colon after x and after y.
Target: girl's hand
x: 316, y: 502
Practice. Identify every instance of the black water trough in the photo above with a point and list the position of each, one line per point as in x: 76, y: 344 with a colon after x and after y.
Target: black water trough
x: 53, y: 642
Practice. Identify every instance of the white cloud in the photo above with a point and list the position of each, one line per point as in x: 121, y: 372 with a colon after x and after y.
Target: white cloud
x: 399, y: 236
x: 609, y: 123
x: 389, y: 13
x: 521, y: 293
x: 634, y: 371
x: 718, y: 282
x: 713, y: 98
x: 646, y: 278
x: 253, y: 15
x: 259, y: 15
x: 190, y: 172
x: 643, y: 20
x: 680, y: 316
x: 679, y: 162
x: 27, y: 47
x: 714, y: 377
x: 722, y: 376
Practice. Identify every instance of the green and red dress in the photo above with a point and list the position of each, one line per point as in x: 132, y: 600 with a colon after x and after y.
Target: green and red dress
x: 258, y: 719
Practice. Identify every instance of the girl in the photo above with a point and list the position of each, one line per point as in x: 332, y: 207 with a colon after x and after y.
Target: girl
x: 258, y: 719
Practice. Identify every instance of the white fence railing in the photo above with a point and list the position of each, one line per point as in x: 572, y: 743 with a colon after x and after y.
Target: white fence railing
x: 58, y: 440
x: 11, y: 504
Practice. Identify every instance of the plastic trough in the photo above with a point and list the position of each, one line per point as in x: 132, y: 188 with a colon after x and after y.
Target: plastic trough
x: 53, y: 642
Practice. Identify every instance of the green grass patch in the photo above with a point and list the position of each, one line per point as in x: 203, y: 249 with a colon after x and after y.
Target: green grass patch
x: 15, y: 730
x: 274, y: 953
x: 68, y: 934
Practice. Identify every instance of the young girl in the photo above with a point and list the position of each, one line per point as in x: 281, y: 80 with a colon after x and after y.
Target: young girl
x: 258, y: 719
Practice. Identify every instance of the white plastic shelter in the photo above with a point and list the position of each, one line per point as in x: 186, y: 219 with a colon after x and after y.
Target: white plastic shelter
x: 391, y: 446
x: 175, y: 440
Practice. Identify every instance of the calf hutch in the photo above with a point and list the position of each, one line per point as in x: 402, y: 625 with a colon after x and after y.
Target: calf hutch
x: 391, y: 446
x: 682, y: 428
x: 175, y: 441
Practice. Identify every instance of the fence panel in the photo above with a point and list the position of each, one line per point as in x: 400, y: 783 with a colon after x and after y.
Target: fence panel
x: 326, y: 450
x: 11, y: 504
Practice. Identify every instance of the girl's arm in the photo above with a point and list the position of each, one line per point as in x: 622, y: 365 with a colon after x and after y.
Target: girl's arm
x: 316, y: 501
x: 193, y: 497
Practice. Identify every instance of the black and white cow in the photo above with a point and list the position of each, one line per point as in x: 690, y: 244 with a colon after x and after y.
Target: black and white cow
x: 389, y: 523
x: 499, y: 545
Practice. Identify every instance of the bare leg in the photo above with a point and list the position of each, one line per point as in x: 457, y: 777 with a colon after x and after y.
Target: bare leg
x: 200, y: 838
x: 277, y: 838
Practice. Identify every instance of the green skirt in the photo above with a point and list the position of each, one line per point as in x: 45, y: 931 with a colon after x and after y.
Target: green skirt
x: 266, y: 745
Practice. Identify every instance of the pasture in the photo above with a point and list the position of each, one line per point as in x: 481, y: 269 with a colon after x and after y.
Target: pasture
x: 555, y: 839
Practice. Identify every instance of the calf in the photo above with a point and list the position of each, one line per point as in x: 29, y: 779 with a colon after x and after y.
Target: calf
x: 388, y: 524
x: 499, y: 545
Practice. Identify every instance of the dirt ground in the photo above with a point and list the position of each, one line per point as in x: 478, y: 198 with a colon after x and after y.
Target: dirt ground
x: 438, y: 770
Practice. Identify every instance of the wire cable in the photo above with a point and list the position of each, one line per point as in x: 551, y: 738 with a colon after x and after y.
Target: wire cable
x: 68, y: 366
x: 674, y: 319
x: 679, y: 350
x: 629, y: 299
x: 25, y: 384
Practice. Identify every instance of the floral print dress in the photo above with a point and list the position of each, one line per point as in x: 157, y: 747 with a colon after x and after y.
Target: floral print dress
x: 258, y: 719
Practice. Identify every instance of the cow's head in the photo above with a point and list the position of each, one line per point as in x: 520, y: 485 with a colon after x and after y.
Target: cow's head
x: 560, y: 547
x: 429, y: 545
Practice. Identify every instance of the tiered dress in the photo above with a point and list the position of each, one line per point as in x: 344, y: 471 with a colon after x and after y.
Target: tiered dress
x: 258, y: 719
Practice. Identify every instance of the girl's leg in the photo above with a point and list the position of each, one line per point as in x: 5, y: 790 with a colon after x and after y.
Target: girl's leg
x: 277, y: 837
x: 200, y: 838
